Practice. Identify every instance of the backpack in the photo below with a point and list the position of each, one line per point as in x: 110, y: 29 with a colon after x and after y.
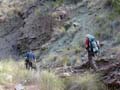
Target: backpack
x: 94, y: 44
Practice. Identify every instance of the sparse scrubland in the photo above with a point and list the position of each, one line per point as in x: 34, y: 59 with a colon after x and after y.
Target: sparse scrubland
x: 12, y: 72
x: 11, y: 7
x: 55, y: 30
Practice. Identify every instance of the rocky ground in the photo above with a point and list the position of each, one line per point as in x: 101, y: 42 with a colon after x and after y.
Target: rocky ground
x: 59, y: 41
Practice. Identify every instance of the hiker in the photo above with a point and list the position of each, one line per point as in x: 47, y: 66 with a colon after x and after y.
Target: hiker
x: 30, y: 60
x: 92, y: 47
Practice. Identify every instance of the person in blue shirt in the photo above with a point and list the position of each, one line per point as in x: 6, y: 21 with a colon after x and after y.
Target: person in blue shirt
x: 30, y: 58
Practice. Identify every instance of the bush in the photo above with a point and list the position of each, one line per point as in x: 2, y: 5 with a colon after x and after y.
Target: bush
x: 89, y: 81
x: 86, y: 81
x: 13, y: 72
x: 117, y: 38
x: 57, y: 3
x: 73, y: 1
x: 103, y: 34
x: 49, y: 81
x: 115, y: 4
x: 112, y: 16
x: 65, y: 60
x: 37, y: 12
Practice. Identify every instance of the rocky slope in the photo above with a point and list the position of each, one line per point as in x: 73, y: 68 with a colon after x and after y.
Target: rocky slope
x: 24, y: 29
x: 56, y: 34
x: 86, y: 17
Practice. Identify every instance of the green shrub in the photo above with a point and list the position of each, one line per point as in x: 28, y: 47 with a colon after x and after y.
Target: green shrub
x: 37, y: 12
x: 57, y: 3
x: 117, y: 38
x: 73, y: 1
x: 103, y: 33
x: 101, y: 19
x: 65, y: 60
x: 112, y: 16
x: 115, y: 4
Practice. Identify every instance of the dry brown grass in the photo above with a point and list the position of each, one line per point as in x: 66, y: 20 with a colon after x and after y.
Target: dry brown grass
x: 9, y: 7
x: 85, y: 81
x: 49, y: 81
x: 14, y: 72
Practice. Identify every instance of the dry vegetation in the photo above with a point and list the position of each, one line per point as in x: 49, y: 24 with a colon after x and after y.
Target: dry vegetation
x: 12, y: 72
x: 115, y: 4
x: 9, y: 7
x: 89, y: 81
x: 85, y: 81
x: 15, y: 72
x: 49, y: 81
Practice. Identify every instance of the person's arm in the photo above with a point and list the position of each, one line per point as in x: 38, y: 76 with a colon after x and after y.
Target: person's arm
x: 87, y: 43
x: 35, y: 60
x: 34, y: 57
x: 25, y: 55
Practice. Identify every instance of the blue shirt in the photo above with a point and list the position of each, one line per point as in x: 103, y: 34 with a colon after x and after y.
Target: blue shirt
x: 30, y: 56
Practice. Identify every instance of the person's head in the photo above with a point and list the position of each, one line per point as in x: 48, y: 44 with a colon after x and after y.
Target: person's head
x: 87, y: 35
x: 90, y: 36
x: 29, y: 50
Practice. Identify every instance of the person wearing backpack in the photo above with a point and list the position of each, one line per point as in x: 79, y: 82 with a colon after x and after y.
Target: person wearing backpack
x: 92, y: 47
x: 30, y: 59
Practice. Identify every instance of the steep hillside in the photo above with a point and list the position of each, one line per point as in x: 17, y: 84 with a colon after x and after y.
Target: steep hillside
x: 55, y: 30
x: 86, y: 17
x: 27, y: 28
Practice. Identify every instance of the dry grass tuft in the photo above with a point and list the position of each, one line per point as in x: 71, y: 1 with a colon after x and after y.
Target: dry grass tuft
x: 14, y: 72
x: 49, y: 81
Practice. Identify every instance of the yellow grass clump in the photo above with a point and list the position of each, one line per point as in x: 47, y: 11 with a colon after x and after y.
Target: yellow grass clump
x: 49, y: 81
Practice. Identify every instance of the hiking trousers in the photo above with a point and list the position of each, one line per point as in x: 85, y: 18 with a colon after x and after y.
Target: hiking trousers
x: 29, y: 64
x: 91, y: 61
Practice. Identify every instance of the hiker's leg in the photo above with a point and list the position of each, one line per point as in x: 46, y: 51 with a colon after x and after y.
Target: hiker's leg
x: 93, y: 63
x: 30, y: 65
x: 89, y: 59
x: 27, y: 64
